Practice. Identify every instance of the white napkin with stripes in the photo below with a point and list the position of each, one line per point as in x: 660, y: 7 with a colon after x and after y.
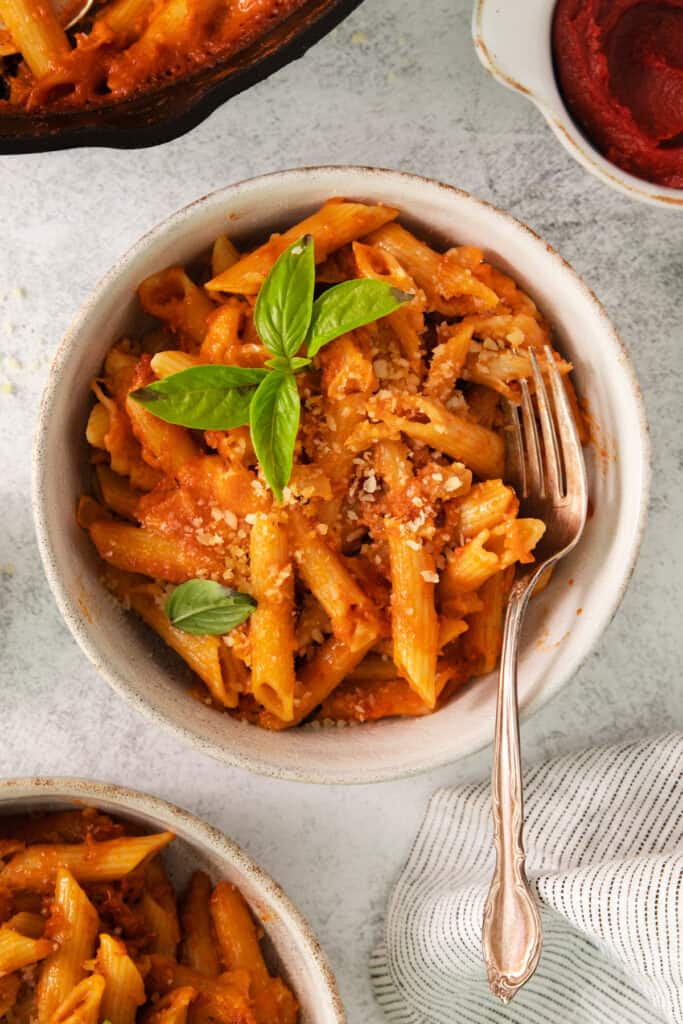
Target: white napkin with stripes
x: 604, y: 839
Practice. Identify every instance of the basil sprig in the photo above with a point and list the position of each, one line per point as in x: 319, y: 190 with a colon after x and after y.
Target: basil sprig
x: 293, y: 328
x: 206, y: 608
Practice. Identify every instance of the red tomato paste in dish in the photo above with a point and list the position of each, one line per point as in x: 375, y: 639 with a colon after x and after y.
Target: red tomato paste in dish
x: 620, y: 69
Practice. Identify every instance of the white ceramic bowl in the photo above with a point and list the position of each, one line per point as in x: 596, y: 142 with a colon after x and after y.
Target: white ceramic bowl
x: 558, y: 639
x: 513, y: 42
x: 290, y: 947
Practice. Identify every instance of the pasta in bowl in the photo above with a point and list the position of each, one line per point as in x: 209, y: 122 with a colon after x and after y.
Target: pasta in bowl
x: 117, y: 906
x: 299, y: 469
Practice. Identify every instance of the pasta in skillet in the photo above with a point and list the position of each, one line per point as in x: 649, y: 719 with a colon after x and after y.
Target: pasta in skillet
x: 90, y: 932
x: 342, y: 548
x: 123, y: 48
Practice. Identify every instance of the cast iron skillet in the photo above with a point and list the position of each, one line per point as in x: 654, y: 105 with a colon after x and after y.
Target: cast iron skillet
x: 174, y: 108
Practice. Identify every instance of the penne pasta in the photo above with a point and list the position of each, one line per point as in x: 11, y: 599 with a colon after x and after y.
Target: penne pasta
x: 82, y: 1005
x: 75, y: 928
x: 36, y: 867
x: 332, y: 227
x: 271, y: 633
x: 198, y: 947
x: 363, y: 578
x: 124, y: 989
x: 18, y: 951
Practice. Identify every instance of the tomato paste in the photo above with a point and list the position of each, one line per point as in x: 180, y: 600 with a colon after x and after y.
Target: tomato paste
x: 620, y: 68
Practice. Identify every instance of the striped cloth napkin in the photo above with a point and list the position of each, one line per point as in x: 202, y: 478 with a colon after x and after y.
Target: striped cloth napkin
x: 604, y: 838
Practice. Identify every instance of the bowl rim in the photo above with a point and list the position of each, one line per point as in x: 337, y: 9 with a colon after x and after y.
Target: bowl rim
x: 565, y: 127
x: 18, y: 790
x: 119, y: 682
x: 134, y: 135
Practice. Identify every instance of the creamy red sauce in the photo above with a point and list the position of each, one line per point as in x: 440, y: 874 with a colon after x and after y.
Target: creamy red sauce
x: 619, y: 65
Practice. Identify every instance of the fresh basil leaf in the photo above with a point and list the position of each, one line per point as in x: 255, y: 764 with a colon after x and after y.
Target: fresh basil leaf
x: 209, y: 397
x: 283, y: 307
x: 206, y: 608
x: 288, y: 365
x: 349, y: 305
x: 274, y: 422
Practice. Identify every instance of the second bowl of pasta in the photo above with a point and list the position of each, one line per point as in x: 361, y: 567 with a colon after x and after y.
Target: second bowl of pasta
x: 276, y: 436
x: 117, y: 906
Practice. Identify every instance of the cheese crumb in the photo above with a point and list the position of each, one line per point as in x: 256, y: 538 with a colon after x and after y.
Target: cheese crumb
x: 429, y: 577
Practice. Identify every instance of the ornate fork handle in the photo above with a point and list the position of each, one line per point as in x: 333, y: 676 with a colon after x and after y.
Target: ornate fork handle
x: 512, y: 926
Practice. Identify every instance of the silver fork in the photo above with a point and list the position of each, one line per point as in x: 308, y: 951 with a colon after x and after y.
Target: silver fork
x: 550, y: 480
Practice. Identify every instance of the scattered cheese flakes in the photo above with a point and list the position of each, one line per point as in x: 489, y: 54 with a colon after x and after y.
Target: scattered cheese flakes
x: 453, y: 483
x: 429, y: 577
x: 358, y: 38
x: 6, y: 388
x: 8, y: 569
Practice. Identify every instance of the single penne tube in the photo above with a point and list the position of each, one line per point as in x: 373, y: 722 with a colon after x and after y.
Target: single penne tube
x: 352, y: 614
x: 486, y: 505
x: 206, y: 655
x: 482, y: 642
x: 36, y: 32
x: 331, y: 663
x: 117, y: 492
x: 237, y: 935
x: 444, y: 281
x: 490, y: 551
x: 336, y: 224
x: 98, y: 425
x: 347, y: 369
x: 162, y: 925
x: 228, y: 991
x: 172, y: 361
x: 174, y: 299
x: 224, y: 255
x: 74, y: 927
x: 271, y: 625
x: 18, y: 951
x: 172, y: 1008
x: 139, y: 550
x: 124, y: 990
x: 481, y: 449
x: 165, y: 446
x: 372, y: 699
x: 82, y: 1005
x: 414, y: 622
x: 36, y: 867
x: 449, y: 358
x: 198, y: 949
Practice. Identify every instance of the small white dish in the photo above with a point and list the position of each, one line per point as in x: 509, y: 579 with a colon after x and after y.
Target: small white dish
x: 290, y: 947
x: 591, y: 581
x: 514, y: 42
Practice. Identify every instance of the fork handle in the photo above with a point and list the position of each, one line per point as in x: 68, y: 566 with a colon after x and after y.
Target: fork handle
x: 512, y: 924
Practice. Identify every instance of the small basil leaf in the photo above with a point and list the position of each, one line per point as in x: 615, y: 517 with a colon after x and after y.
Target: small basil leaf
x: 288, y: 364
x: 274, y: 422
x: 349, y: 305
x: 203, y: 397
x: 283, y: 307
x: 205, y: 608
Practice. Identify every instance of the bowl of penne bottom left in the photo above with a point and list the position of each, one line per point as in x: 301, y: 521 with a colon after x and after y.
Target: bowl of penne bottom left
x: 170, y: 918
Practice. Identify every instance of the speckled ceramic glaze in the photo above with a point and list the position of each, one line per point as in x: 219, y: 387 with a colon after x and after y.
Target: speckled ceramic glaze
x: 513, y: 42
x: 563, y: 624
x: 290, y: 947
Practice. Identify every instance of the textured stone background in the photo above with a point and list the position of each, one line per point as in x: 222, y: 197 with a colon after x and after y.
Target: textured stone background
x: 397, y: 85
